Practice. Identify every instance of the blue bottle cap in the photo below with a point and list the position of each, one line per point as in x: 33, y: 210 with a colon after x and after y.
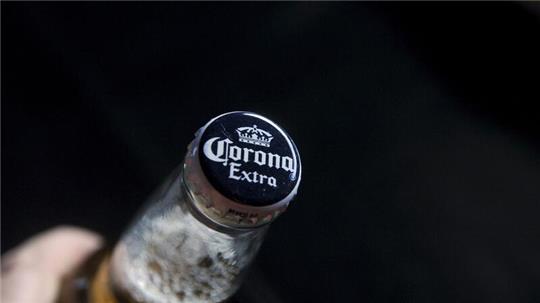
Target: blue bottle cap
x: 251, y: 164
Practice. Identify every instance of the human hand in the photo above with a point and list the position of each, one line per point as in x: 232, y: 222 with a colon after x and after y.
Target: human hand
x: 33, y: 271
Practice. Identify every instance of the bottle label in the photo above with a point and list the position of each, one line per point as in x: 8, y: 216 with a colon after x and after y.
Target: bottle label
x: 249, y: 159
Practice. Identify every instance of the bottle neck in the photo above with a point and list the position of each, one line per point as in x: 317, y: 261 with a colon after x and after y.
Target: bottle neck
x: 172, y: 241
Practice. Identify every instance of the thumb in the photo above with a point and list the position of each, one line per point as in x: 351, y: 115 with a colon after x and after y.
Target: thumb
x: 31, y: 272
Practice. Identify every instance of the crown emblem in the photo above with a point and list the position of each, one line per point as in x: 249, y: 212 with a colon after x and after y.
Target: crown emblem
x: 254, y: 135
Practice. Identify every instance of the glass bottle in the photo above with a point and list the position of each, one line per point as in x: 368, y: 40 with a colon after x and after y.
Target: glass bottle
x: 199, y: 232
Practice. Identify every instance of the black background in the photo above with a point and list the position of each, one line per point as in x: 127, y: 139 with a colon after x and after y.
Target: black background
x: 416, y: 124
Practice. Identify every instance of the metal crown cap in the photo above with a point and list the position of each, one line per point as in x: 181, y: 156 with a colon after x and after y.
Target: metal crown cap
x: 242, y: 170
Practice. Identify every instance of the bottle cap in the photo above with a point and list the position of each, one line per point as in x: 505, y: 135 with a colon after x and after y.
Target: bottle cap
x: 242, y: 170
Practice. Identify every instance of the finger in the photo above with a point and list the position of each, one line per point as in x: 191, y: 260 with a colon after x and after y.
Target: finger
x: 32, y: 272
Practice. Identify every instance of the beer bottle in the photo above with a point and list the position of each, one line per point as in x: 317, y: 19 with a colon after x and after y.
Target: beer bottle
x: 199, y: 232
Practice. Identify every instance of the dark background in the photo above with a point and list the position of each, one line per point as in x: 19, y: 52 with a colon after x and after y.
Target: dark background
x: 416, y: 124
